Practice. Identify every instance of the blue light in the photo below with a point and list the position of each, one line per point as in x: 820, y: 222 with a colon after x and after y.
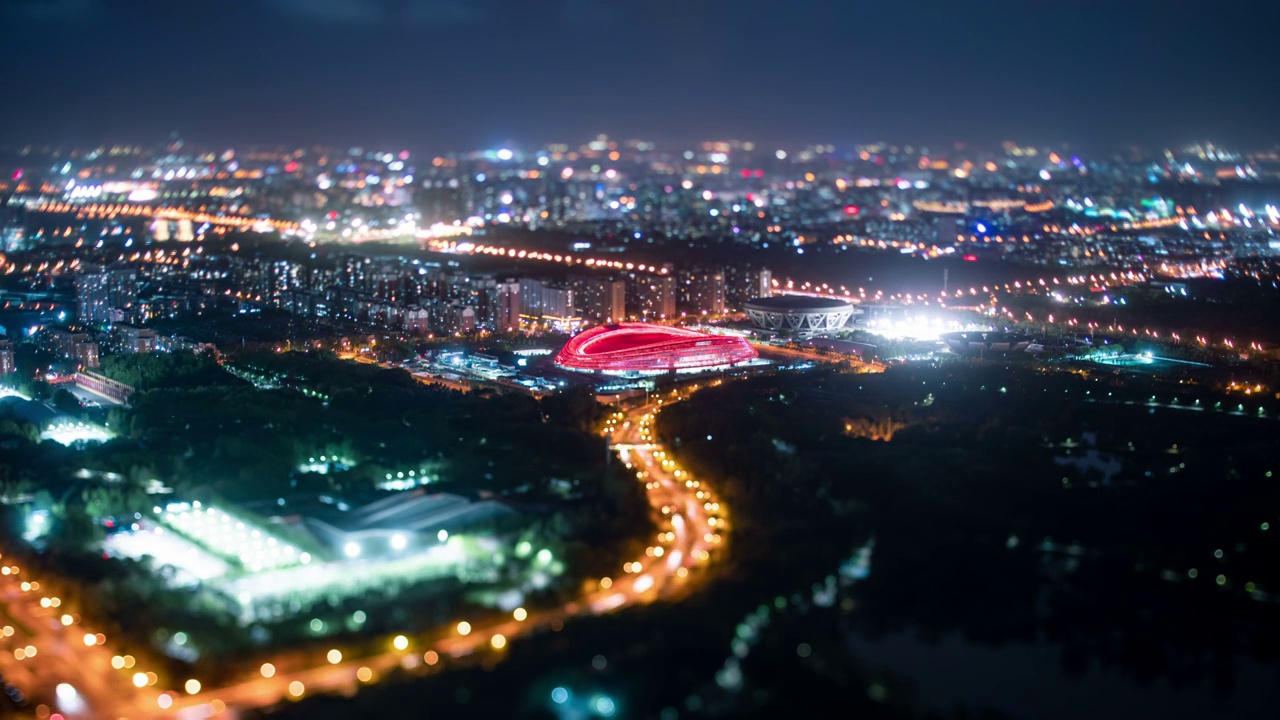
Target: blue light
x: 982, y: 228
x: 605, y: 706
x: 559, y: 696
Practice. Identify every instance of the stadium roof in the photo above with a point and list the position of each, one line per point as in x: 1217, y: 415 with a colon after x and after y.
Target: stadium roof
x: 413, y: 511
x: 796, y: 303
x: 641, y: 347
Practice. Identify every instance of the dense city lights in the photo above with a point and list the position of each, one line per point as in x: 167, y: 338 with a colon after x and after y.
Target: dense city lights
x: 354, y: 379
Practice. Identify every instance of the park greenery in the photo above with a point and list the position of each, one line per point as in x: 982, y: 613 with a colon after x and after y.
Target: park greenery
x: 147, y: 371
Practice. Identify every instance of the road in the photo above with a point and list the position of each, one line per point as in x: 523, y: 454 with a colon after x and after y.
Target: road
x: 691, y: 526
x: 62, y: 655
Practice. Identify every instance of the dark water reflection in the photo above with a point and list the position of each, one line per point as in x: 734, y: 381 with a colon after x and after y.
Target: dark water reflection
x: 1028, y: 681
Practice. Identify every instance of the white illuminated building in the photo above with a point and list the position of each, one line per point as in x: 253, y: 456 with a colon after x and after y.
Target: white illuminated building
x: 388, y: 544
x: 799, y: 315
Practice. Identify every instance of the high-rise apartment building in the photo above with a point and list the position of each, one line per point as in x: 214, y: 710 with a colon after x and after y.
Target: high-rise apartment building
x: 651, y: 297
x: 505, y: 307
x: 701, y: 292
x: 106, y: 296
x: 540, y: 299
x: 746, y: 282
x: 601, y: 299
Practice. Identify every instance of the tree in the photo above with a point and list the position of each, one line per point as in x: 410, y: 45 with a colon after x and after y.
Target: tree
x: 65, y: 402
x: 37, y: 389
x: 573, y: 408
x: 76, y: 531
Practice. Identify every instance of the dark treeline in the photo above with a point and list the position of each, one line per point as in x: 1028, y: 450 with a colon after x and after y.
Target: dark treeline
x: 979, y: 531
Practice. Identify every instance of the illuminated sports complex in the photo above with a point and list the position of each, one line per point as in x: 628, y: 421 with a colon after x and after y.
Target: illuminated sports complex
x: 641, y: 348
x: 799, y: 315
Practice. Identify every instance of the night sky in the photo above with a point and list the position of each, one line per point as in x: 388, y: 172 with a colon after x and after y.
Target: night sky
x: 458, y: 74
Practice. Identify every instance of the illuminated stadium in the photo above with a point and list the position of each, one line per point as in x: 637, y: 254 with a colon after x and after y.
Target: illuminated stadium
x: 641, y: 348
x: 800, y: 315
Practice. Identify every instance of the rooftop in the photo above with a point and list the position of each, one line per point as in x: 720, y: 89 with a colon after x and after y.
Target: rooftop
x: 793, y: 303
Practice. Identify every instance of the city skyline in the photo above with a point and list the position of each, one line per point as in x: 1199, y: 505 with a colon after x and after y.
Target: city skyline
x: 666, y: 360
x: 435, y: 75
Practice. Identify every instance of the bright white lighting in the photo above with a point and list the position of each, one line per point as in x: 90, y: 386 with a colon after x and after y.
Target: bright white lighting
x: 351, y: 550
x: 230, y: 537
x: 191, y: 563
x: 69, y: 432
x: 919, y: 327
x: 256, y: 592
x: 69, y: 700
x: 399, y: 541
x: 505, y: 154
